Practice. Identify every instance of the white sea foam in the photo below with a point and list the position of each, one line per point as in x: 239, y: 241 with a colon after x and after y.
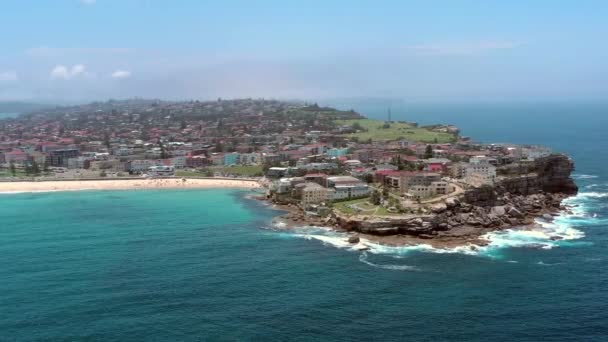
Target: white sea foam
x: 592, y: 194
x: 583, y: 176
x: 364, y: 259
x: 546, y: 235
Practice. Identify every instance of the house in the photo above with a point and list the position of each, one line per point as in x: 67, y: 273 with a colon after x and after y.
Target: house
x: 439, y: 165
x: 337, y: 152
x: 16, y: 157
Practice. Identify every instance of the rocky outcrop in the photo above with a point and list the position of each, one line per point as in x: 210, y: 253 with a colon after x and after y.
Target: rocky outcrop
x: 514, y: 200
x: 414, y: 225
x: 546, y: 175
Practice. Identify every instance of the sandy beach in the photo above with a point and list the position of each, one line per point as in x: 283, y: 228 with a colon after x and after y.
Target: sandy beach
x: 125, y: 184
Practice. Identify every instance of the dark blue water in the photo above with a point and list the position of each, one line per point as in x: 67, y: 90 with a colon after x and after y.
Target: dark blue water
x: 207, y: 265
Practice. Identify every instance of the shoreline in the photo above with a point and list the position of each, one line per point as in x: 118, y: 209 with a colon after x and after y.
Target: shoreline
x: 9, y: 187
x: 461, y: 237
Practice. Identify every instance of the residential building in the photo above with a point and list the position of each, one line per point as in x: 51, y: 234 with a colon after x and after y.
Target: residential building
x: 60, y: 158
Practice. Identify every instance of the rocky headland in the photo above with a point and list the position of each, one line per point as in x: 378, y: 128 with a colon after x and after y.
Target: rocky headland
x: 520, y: 196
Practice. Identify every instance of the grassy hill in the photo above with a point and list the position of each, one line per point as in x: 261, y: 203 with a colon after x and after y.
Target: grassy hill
x: 378, y: 131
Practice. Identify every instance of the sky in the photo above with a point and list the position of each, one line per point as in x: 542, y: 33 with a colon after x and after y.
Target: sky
x: 452, y: 50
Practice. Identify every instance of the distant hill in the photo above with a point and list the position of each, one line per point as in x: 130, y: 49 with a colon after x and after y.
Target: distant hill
x: 21, y: 107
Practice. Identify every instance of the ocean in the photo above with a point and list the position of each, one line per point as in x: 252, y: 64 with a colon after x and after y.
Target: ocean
x: 194, y: 265
x: 8, y: 115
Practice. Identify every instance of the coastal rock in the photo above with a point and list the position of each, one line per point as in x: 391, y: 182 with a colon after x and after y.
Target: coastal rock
x: 354, y: 239
x: 514, y: 212
x: 498, y: 211
x: 547, y: 217
x: 439, y: 208
x: 452, y: 202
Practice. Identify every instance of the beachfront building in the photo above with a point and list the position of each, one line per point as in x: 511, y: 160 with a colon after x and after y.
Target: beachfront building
x: 113, y: 165
x: 312, y: 193
x: 161, y: 171
x: 60, y: 157
x: 79, y: 163
x: 347, y: 187
x: 231, y: 159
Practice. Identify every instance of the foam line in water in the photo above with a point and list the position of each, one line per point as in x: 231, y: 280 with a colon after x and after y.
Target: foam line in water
x: 547, y: 235
x: 592, y: 195
x: 583, y: 176
x: 364, y: 259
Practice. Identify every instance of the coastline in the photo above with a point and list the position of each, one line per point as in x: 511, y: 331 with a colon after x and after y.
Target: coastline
x: 126, y: 184
x: 472, y: 238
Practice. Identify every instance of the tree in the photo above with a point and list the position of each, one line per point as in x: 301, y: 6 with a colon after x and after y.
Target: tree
x: 357, y: 126
x: 103, y: 174
x: 428, y: 153
x: 35, y: 168
x: 13, y: 169
x: 375, y: 198
x: 106, y: 140
x: 163, y: 152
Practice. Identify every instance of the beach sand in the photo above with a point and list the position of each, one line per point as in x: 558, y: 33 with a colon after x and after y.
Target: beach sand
x: 125, y: 184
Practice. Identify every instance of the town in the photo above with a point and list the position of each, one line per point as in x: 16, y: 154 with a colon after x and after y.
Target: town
x: 308, y: 155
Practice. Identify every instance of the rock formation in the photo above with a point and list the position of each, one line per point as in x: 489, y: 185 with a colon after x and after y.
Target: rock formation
x: 520, y: 196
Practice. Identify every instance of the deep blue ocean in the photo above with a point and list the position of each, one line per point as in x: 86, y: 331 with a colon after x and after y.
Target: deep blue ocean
x: 192, y: 265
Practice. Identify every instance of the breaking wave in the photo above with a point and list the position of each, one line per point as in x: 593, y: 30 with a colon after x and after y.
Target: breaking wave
x: 560, y: 232
x: 592, y: 195
x: 583, y: 176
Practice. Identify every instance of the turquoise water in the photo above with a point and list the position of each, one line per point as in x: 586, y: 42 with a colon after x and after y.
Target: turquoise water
x: 207, y: 265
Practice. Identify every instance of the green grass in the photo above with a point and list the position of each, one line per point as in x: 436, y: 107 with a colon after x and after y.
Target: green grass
x: 240, y: 170
x: 375, y: 131
x: 237, y: 170
x: 189, y: 174
x: 364, y: 205
x: 19, y: 173
x: 344, y: 205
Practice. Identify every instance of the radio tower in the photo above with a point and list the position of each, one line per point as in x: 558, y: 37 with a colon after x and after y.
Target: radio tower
x: 389, y: 114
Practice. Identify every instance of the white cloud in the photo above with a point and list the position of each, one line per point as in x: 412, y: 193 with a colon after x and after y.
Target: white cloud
x: 121, y: 74
x: 64, y: 73
x: 462, y: 48
x: 8, y: 76
x: 88, y: 2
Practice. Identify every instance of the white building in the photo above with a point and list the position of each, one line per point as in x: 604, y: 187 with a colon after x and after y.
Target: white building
x: 479, y: 174
x: 425, y: 191
x: 161, y: 171
x: 313, y: 193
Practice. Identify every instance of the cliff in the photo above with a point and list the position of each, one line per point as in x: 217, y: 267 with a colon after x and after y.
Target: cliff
x: 546, y: 175
x: 515, y: 200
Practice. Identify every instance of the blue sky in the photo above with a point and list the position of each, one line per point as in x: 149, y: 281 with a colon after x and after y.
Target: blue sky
x: 78, y: 50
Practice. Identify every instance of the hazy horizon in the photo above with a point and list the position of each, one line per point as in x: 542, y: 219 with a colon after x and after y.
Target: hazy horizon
x: 75, y: 51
